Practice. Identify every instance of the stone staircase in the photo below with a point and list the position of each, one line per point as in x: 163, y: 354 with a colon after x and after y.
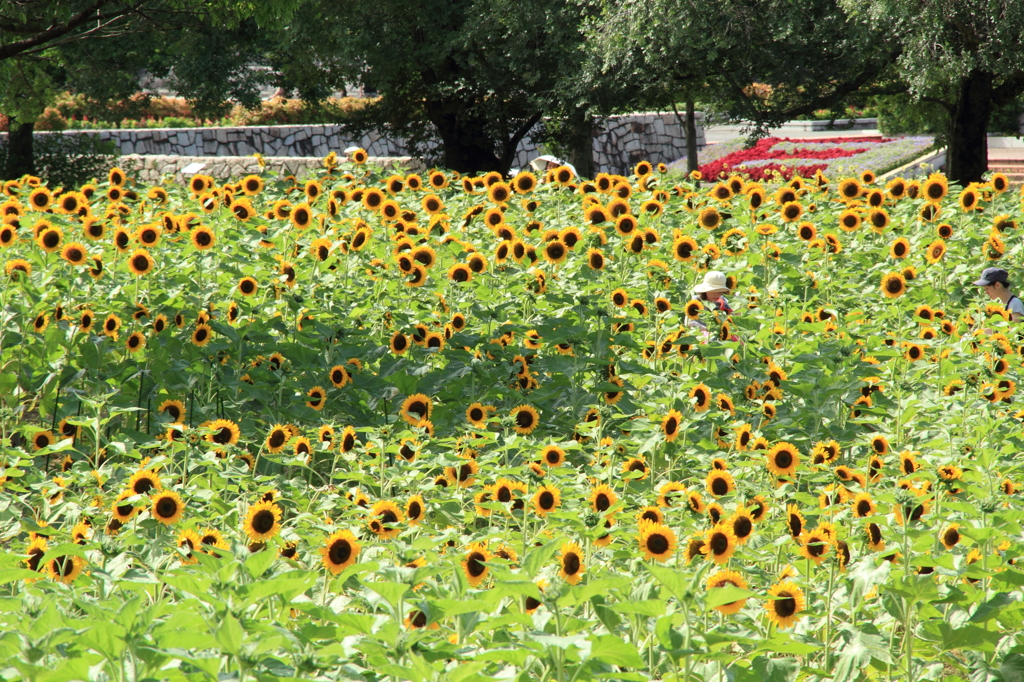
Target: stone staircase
x: 1012, y: 168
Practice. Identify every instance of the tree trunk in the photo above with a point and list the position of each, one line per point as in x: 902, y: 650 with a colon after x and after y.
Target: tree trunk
x: 967, y: 155
x: 691, y: 137
x: 581, y: 153
x: 20, y: 159
x: 467, y: 147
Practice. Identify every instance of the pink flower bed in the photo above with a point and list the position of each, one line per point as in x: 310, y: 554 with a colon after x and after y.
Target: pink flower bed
x: 773, y: 156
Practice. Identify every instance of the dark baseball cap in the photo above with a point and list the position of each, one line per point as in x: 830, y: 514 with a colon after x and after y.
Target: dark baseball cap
x: 991, y: 276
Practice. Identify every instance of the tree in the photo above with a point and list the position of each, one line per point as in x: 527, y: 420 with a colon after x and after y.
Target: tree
x: 463, y: 81
x: 763, y: 61
x: 99, y: 45
x: 965, y: 56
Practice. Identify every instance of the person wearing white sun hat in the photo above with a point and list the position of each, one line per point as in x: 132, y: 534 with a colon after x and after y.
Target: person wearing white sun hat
x: 712, y: 290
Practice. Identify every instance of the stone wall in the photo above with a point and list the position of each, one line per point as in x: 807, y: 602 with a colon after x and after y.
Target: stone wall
x: 152, y: 168
x: 620, y: 142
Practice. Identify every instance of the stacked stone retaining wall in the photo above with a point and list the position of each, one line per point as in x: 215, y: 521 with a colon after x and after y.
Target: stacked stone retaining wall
x: 151, y: 169
x: 619, y: 143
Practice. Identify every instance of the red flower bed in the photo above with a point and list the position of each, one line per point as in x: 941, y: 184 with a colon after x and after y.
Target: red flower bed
x: 763, y: 150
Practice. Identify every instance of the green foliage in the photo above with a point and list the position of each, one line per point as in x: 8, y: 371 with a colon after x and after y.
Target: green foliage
x: 859, y: 386
x: 69, y: 160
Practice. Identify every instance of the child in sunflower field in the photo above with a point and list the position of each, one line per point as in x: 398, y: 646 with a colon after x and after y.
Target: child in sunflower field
x: 997, y: 286
x: 712, y: 292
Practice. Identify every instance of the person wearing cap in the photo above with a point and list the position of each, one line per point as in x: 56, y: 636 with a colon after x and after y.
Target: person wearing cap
x: 997, y: 286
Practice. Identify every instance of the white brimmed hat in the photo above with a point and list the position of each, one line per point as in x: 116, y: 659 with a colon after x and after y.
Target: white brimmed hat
x: 539, y: 163
x: 713, y: 281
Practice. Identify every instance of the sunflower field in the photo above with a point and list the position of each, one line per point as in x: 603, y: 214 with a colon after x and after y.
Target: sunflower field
x: 361, y: 426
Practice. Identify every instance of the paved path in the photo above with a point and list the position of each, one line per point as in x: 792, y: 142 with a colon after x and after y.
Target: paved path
x: 731, y: 132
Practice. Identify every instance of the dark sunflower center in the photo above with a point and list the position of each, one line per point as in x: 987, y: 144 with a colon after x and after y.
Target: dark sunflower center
x: 571, y: 563
x: 602, y: 503
x: 796, y: 526
x: 719, y: 486
x: 277, y: 439
x: 166, y: 507
x: 657, y: 544
x: 742, y: 527
x: 51, y: 239
x: 524, y: 419
x: 952, y: 536
x: 340, y: 551
x: 816, y: 547
x: 142, y: 486
x: 546, y: 500
x: 783, y: 459
x: 863, y: 508
x: 415, y: 510
x: 719, y: 543
x: 64, y: 566
x: 875, y: 534
x: 263, y: 521
x: 465, y: 471
x: 475, y: 565
x: 786, y: 606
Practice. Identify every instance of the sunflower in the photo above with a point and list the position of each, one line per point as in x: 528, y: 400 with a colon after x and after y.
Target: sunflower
x: 348, y: 440
x: 879, y: 445
x: 474, y: 565
x: 525, y: 419
x: 815, y: 545
x: 555, y: 251
x: 893, y: 285
x: 879, y: 219
x: 602, y: 498
x: 546, y: 500
x: 742, y: 524
x: 416, y: 408
x: 383, y: 519
x: 875, y: 539
x: 783, y: 459
x: 552, y: 456
x: 524, y: 182
x: 167, y: 507
x: 463, y: 474
x: 40, y: 198
x: 670, y: 425
x: 727, y: 578
x: 262, y: 522
x: 399, y: 343
x: 203, y: 238
x: 49, y: 238
x: 709, y: 218
x: 317, y: 398
x: 787, y: 603
x: 863, y: 505
x: 935, y: 251
x: 719, y: 544
x: 792, y: 212
x: 135, y: 342
x: 701, y: 396
x: 719, y: 483
x: 951, y: 536
x: 656, y: 541
x: 935, y: 188
x: 969, y: 199
x: 202, y: 335
x: 65, y: 569
x: 277, y: 438
x: 570, y: 560
x: 222, y: 432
